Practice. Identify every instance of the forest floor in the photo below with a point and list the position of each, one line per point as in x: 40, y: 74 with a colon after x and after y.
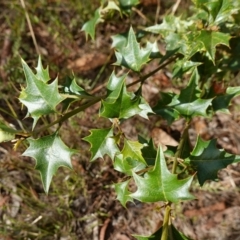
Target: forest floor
x: 82, y: 204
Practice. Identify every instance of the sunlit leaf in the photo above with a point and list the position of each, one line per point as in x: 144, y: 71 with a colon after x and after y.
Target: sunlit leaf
x: 123, y: 195
x: 102, y: 142
x: 159, y: 184
x: 50, y: 153
x: 90, y: 26
x: 132, y: 56
x: 39, y: 97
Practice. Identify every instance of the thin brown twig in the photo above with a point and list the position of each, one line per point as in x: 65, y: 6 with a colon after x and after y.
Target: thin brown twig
x: 143, y: 78
x: 30, y: 26
x: 175, y: 6
x: 103, y: 229
x: 157, y: 11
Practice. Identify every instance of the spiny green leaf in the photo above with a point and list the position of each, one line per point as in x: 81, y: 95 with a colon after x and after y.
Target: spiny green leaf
x: 132, y: 149
x: 221, y: 102
x: 189, y: 103
x: 173, y: 234
x: 72, y: 91
x: 7, y: 133
x: 39, y: 97
x: 122, y: 104
x: 50, y: 153
x: 162, y: 109
x: 148, y: 151
x: 208, y: 159
x: 102, y: 142
x: 132, y: 55
x: 123, y: 193
x: 89, y: 26
x: 114, y: 87
x: 218, y: 10
x: 170, y: 24
x: 72, y: 88
x: 127, y: 165
x: 119, y: 41
x: 160, y: 185
x: 211, y: 39
x: 42, y: 74
x: 183, y: 66
x: 111, y: 6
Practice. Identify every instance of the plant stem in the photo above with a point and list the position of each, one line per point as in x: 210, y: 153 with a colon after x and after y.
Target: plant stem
x: 143, y: 78
x: 69, y: 114
x: 180, y: 147
x: 166, y: 222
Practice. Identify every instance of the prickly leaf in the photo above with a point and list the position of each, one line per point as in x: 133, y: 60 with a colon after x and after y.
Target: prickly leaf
x: 221, y: 102
x: 127, y: 165
x: 173, y: 234
x: 90, y: 26
x: 42, y: 74
x: 50, y: 153
x: 160, y: 185
x: 39, y: 97
x: 122, y: 104
x: 102, y: 142
x: 132, y: 149
x: 132, y: 56
x: 210, y: 40
x: 7, y: 133
x: 188, y: 103
x: 207, y: 159
x: 123, y: 195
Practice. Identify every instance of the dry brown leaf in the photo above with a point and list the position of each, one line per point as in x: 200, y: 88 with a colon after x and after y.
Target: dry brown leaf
x: 88, y: 62
x: 160, y: 137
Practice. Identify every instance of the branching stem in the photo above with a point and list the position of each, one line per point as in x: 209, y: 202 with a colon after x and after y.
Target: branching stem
x: 145, y: 77
x: 69, y: 114
x: 181, y: 145
x: 166, y: 220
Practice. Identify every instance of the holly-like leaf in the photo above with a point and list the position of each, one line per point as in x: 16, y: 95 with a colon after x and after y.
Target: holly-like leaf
x: 189, y: 103
x: 132, y: 56
x: 102, y: 142
x: 148, y: 151
x: 127, y: 165
x: 122, y: 104
x: 7, y: 133
x: 160, y: 185
x: 42, y: 74
x: 218, y: 10
x: 72, y: 91
x: 72, y: 88
x: 170, y: 24
x: 50, y: 153
x: 132, y: 149
x: 90, y: 26
x: 210, y: 40
x: 162, y: 109
x: 111, y: 6
x: 221, y: 102
x: 183, y: 66
x: 173, y: 234
x: 119, y: 41
x: 39, y: 97
x: 114, y: 87
x: 123, y: 193
x: 207, y: 159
